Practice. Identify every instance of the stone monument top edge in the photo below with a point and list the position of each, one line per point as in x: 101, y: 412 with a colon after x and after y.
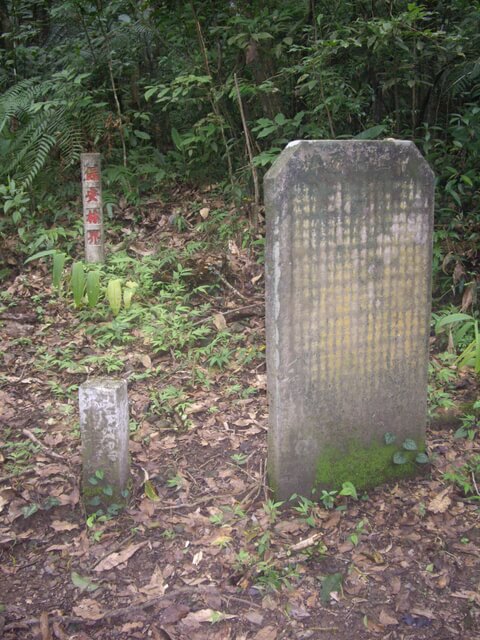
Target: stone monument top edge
x: 306, y: 148
x: 103, y: 383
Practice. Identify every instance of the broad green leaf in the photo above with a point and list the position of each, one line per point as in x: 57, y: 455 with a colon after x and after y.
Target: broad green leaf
x: 83, y: 583
x: 150, y: 491
x: 93, y: 288
x: 149, y: 93
x: 78, y: 282
x: 389, y: 438
x: 399, y: 458
x: 30, y: 509
x: 41, y: 254
x: 57, y: 271
x: 127, y: 297
x: 128, y: 292
x: 177, y: 139
x: 422, y: 458
x: 409, y: 445
x: 348, y: 489
x: 330, y: 583
x: 141, y: 134
x: 451, y: 319
x: 372, y: 133
x: 114, y: 295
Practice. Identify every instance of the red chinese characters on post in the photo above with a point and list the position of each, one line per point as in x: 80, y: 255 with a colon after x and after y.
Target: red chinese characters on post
x: 92, y: 173
x: 92, y: 194
x: 93, y: 216
x: 93, y: 236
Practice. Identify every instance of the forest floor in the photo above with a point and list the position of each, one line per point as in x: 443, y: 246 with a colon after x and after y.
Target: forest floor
x: 202, y: 551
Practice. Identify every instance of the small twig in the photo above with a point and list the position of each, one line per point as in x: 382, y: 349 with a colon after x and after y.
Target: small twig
x: 248, y: 143
x: 43, y: 447
x: 190, y: 505
x: 475, y: 483
x: 230, y: 311
x: 115, y: 614
x: 227, y: 283
x: 12, y: 476
x: 249, y: 603
x: 307, y: 542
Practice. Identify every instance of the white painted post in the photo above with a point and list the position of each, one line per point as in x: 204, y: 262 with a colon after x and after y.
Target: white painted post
x: 104, y: 431
x: 92, y: 207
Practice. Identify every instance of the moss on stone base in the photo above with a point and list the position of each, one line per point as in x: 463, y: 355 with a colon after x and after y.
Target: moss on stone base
x: 102, y: 496
x: 366, y: 467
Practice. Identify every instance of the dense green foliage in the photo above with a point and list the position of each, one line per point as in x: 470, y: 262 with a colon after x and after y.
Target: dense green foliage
x: 209, y: 90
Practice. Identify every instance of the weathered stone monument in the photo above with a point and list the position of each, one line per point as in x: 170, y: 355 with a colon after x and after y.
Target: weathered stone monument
x: 104, y: 431
x: 348, y: 270
x: 92, y: 207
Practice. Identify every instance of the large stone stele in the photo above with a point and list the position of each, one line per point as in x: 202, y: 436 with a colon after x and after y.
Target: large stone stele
x: 348, y: 270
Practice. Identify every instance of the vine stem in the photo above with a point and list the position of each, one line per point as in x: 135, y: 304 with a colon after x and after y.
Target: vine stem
x: 248, y: 143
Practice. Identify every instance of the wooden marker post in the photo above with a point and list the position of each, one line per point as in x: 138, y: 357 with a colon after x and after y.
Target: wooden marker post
x: 92, y: 207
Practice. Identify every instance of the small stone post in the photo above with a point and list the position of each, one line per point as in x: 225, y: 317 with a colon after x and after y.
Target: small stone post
x: 92, y: 207
x: 104, y: 431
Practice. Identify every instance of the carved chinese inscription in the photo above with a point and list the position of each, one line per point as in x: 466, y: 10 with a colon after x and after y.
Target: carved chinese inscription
x: 349, y: 233
x: 92, y: 207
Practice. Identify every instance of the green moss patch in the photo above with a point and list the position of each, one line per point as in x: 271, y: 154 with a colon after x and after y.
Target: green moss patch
x: 366, y: 467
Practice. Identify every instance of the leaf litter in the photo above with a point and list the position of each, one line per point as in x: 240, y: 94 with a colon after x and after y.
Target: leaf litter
x: 195, y: 554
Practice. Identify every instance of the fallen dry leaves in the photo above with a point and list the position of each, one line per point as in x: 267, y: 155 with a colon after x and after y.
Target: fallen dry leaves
x: 118, y: 558
x: 202, y: 560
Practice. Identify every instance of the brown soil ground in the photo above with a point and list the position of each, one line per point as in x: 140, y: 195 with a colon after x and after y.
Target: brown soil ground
x: 200, y: 552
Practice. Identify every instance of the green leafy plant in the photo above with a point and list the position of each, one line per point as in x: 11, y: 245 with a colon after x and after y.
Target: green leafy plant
x: 408, y: 453
x: 59, y: 259
x: 114, y: 295
x: 93, y: 288
x: 176, y: 482
x: 15, y: 203
x: 306, y: 509
x: 271, y: 508
x: 467, y: 477
x: 101, y: 500
x: 239, y: 458
x: 348, y: 489
x: 359, y: 529
x: 327, y: 498
x: 49, y: 503
x: 78, y: 283
x: 465, y: 334
x: 470, y: 426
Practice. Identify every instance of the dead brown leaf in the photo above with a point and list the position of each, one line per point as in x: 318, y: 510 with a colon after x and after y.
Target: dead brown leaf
x: 146, y: 361
x: 441, y: 502
x: 195, y: 618
x: 254, y: 617
x: 386, y: 619
x: 117, y: 558
x: 131, y: 626
x: 156, y: 586
x: 267, y: 633
x: 474, y: 596
x: 219, y: 321
x: 61, y: 525
x: 88, y: 609
x: 395, y: 584
x: 45, y: 627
